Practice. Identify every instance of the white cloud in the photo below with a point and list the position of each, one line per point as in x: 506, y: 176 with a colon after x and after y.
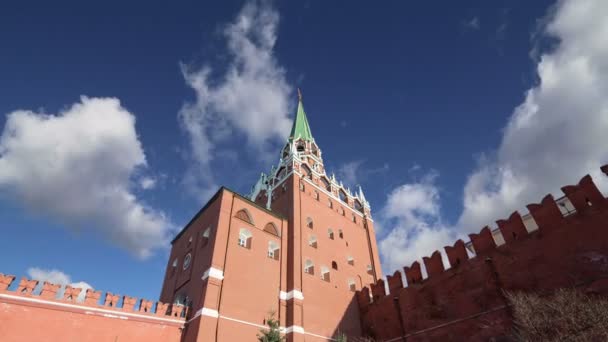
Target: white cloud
x: 251, y: 97
x: 559, y: 133
x: 412, y: 211
x: 147, y: 183
x: 76, y: 167
x: 348, y: 172
x: 58, y: 278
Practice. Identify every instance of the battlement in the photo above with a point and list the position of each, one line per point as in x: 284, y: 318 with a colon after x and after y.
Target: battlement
x: 564, y: 249
x: 32, y: 292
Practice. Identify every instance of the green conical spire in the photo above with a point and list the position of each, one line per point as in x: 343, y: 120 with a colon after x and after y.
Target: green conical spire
x: 300, y: 128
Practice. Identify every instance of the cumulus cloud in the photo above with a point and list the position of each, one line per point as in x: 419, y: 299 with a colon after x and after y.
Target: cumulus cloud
x: 58, y: 278
x: 77, y: 168
x: 250, y: 98
x: 413, y: 213
x: 553, y: 138
x: 147, y: 183
x: 558, y: 133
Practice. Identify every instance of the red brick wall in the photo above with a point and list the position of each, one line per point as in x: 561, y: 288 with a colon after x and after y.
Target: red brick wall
x: 25, y: 316
x: 466, y: 301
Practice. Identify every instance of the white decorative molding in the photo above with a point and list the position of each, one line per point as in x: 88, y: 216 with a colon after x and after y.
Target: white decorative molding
x: 213, y: 273
x: 291, y: 294
x: 294, y: 329
x: 210, y: 312
x: 89, y: 310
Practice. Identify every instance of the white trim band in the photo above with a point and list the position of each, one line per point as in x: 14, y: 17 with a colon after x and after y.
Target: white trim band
x: 90, y: 309
x: 291, y: 294
x: 213, y: 273
x: 293, y: 329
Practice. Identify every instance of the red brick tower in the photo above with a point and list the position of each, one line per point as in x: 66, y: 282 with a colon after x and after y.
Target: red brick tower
x: 299, y: 246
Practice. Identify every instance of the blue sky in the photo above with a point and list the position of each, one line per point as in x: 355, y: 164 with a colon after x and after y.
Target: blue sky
x: 118, y: 120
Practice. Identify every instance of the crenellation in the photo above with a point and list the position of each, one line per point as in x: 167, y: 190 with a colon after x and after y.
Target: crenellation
x: 176, y: 310
x: 145, y: 305
x: 26, y: 286
x: 378, y: 290
x: 363, y: 298
x: 49, y: 290
x: 512, y: 228
x: 570, y: 252
x: 457, y: 254
x: 413, y: 274
x: 546, y: 214
x: 433, y: 264
x: 128, y: 303
x: 111, y: 300
x: 92, y: 297
x: 71, y: 293
x: 5, y: 281
x: 585, y: 195
x: 162, y: 309
x: 395, y: 283
x: 483, y: 242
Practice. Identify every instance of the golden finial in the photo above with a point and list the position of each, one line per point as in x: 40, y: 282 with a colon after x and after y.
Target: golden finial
x: 299, y: 95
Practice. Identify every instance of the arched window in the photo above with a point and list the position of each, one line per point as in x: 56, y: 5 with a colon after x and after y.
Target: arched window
x: 245, y: 238
x: 271, y: 228
x: 312, y: 241
x: 273, y: 250
x: 350, y: 260
x: 343, y: 196
x: 309, y: 267
x: 309, y: 223
x: 326, y: 184
x: 302, y: 186
x: 352, y: 285
x: 300, y: 147
x: 370, y: 269
x: 334, y: 265
x: 325, y: 273
x: 243, y: 214
x: 354, y: 218
x: 342, y: 212
x: 358, y: 206
x: 329, y: 203
x: 316, y: 195
x: 205, y: 237
x: 330, y: 233
x: 340, y: 234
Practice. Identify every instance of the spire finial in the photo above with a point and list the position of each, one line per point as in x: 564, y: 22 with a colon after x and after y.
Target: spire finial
x: 299, y: 95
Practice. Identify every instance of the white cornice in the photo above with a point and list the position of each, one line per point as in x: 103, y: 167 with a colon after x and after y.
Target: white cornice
x: 213, y: 273
x: 291, y: 294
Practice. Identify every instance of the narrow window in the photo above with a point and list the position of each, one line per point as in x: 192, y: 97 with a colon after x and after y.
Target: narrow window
x: 245, y: 238
x: 340, y: 234
x: 350, y: 260
x: 301, y: 186
x: 334, y: 265
x: 273, y: 250
x: 316, y: 195
x: 325, y: 273
x: 205, y: 237
x: 330, y: 233
x: 174, y: 267
x: 342, y: 212
x: 354, y: 218
x: 330, y: 204
x: 309, y: 267
x: 189, y: 242
x: 312, y: 241
x: 370, y: 270
x: 351, y: 285
x: 309, y: 222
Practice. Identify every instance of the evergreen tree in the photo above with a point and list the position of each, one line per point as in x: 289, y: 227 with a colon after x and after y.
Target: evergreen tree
x: 272, y: 333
